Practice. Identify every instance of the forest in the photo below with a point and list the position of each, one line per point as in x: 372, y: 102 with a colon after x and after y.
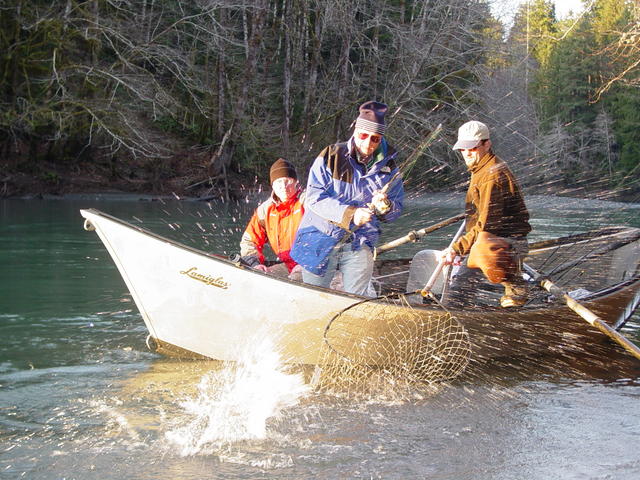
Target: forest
x: 199, y: 97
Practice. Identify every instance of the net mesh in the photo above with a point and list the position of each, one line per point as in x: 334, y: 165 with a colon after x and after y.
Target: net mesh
x: 386, y: 347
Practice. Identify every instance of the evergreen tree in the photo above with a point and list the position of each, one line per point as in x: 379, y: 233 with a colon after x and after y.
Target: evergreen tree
x: 534, y: 29
x: 566, y: 83
x: 611, y: 20
x: 566, y: 89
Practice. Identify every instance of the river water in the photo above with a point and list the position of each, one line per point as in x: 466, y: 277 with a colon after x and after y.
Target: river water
x: 81, y: 397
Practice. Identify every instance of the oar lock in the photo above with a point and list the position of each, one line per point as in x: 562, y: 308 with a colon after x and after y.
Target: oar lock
x: 413, y: 236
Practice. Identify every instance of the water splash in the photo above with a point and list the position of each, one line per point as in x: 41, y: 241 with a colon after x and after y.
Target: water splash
x: 234, y: 404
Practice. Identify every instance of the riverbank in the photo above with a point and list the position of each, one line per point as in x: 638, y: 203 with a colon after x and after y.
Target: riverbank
x: 186, y: 176
x: 181, y: 176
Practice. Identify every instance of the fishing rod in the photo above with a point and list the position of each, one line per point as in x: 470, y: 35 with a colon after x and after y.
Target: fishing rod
x: 410, y: 162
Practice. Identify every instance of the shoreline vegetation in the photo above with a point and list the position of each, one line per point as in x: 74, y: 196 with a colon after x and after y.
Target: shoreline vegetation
x: 76, y: 183
x: 197, y: 99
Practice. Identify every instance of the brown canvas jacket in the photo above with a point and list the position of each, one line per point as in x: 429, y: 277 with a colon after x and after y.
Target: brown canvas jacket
x: 493, y: 204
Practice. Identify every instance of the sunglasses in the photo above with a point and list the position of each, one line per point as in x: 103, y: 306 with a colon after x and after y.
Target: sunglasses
x: 364, y: 136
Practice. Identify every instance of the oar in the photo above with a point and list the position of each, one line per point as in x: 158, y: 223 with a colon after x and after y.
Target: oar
x: 584, y: 312
x: 415, y: 235
x: 434, y: 276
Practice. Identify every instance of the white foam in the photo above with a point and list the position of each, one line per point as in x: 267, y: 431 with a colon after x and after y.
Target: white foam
x: 234, y: 404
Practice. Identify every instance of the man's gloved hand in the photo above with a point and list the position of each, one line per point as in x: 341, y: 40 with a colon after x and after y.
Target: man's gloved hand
x: 250, y: 260
x: 295, y: 273
x: 380, y: 203
x: 449, y: 256
x: 362, y: 216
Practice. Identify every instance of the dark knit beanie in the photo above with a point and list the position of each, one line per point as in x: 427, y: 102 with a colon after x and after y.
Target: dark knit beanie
x: 371, y: 117
x: 282, y: 168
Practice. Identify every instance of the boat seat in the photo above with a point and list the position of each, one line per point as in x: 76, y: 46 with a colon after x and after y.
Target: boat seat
x: 422, y: 265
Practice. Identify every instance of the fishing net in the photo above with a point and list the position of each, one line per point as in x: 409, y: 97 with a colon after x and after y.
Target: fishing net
x: 386, y: 346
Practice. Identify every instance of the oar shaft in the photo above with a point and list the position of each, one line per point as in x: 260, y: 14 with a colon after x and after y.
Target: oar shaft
x: 601, y: 325
x: 585, y: 313
x: 415, y: 235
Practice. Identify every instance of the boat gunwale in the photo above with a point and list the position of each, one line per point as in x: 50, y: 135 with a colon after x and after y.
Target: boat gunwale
x: 217, y: 257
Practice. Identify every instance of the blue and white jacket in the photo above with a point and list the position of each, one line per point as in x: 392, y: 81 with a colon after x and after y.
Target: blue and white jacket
x: 338, y: 184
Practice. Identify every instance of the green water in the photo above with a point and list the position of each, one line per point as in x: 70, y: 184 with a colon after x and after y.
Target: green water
x: 82, y: 397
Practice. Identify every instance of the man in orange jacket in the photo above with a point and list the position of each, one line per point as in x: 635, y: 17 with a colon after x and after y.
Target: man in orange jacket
x: 276, y: 221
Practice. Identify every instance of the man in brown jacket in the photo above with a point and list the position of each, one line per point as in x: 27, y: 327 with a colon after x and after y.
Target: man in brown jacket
x: 494, y: 205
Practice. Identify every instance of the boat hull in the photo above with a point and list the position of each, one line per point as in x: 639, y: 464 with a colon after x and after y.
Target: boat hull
x: 195, y: 303
x: 210, y: 306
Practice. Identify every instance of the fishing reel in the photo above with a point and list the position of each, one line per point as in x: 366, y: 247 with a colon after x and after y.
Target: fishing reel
x: 380, y: 206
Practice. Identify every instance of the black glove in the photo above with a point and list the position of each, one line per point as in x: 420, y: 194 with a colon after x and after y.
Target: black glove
x: 250, y: 260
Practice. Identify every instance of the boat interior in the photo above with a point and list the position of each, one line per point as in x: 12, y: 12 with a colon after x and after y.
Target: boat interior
x: 584, y: 265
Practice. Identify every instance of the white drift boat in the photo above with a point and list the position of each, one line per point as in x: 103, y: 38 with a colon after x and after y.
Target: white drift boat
x: 194, y: 302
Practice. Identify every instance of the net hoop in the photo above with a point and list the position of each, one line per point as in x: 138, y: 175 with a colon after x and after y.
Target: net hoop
x: 388, y: 340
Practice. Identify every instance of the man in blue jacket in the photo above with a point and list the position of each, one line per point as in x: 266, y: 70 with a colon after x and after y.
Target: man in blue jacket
x: 352, y: 187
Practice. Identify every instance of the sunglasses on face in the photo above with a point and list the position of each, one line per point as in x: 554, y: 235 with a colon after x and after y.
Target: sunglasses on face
x: 364, y: 136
